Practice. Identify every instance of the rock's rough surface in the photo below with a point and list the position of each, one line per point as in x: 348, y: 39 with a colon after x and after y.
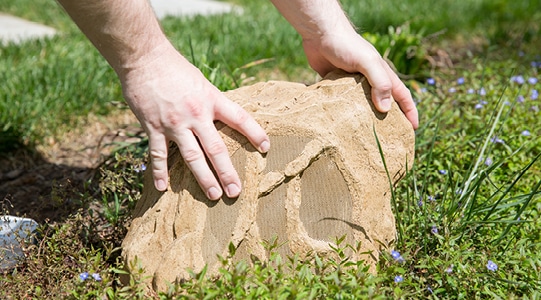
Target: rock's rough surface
x: 323, y: 178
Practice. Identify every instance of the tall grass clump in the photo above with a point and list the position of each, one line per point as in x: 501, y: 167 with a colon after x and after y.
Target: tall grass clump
x: 469, y: 213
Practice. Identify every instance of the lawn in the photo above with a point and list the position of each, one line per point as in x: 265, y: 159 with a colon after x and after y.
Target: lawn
x: 468, y: 211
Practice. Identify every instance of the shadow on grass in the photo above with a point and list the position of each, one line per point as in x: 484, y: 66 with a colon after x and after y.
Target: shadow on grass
x: 32, y: 187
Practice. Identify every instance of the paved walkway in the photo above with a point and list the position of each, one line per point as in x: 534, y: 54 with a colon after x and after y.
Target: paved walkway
x: 13, y: 29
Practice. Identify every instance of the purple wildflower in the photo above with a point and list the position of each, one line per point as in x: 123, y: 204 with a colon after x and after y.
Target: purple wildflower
x: 434, y: 229
x: 431, y: 81
x: 535, y: 108
x: 525, y: 133
x: 488, y: 161
x: 443, y: 172
x: 83, y: 276
x: 520, y: 99
x: 398, y: 278
x: 532, y: 80
x: 478, y: 106
x: 460, y: 80
x: 518, y: 79
x: 492, y: 266
x: 482, y: 92
x: 397, y: 256
x: 431, y: 198
x: 534, y: 95
x: 96, y: 276
x: 452, y: 90
x: 471, y: 91
x: 449, y: 269
x: 140, y: 168
x: 497, y: 140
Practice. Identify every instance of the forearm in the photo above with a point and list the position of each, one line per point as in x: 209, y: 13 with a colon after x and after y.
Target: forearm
x: 125, y: 32
x: 314, y: 18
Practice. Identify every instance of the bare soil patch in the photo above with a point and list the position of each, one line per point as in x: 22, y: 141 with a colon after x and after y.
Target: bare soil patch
x: 45, y: 183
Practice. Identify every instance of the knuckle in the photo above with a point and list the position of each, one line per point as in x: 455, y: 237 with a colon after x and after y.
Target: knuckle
x: 158, y: 155
x: 216, y: 147
x: 192, y: 155
x: 227, y: 175
x: 240, y: 116
x: 194, y: 108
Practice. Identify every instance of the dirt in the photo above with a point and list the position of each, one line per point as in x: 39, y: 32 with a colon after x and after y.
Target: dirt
x: 45, y: 182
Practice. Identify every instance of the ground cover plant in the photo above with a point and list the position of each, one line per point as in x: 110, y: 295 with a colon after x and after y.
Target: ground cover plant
x: 468, y: 211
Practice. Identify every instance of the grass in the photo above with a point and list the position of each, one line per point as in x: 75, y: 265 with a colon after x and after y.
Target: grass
x: 471, y: 201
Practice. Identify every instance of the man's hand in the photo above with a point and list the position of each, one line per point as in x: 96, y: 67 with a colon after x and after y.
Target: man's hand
x: 175, y: 102
x: 350, y: 52
x: 330, y: 42
x: 170, y: 97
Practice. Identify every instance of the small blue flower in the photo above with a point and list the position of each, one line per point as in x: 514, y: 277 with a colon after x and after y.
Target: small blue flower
x: 443, y: 172
x: 431, y: 198
x: 83, y: 276
x: 525, y: 133
x: 492, y: 266
x: 532, y: 80
x: 398, y: 278
x: 535, y: 108
x: 518, y: 79
x: 520, y: 99
x: 460, y: 80
x: 482, y: 92
x: 452, y: 90
x: 497, y: 140
x: 431, y: 81
x: 488, y: 161
x: 140, y: 168
x: 428, y: 288
x: 471, y: 91
x: 478, y: 106
x: 449, y: 269
x: 534, y: 95
x: 420, y: 202
x: 397, y: 256
x: 96, y: 276
x: 434, y: 229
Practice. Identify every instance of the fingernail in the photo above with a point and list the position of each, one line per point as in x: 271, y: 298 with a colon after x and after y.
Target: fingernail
x: 161, y: 185
x: 385, y: 104
x: 214, y: 193
x: 232, y: 190
x: 264, y: 147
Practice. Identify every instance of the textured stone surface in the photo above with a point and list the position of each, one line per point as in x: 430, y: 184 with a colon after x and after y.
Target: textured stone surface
x: 322, y: 179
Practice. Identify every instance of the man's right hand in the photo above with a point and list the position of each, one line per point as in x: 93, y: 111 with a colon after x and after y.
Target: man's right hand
x: 175, y: 102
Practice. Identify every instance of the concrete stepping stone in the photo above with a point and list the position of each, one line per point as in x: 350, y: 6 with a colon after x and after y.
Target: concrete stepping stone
x: 164, y: 8
x: 16, y: 30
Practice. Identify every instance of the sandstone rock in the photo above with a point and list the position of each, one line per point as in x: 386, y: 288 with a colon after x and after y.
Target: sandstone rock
x: 322, y: 179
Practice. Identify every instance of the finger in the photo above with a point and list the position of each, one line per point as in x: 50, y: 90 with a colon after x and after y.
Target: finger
x: 239, y: 119
x: 402, y: 96
x: 217, y: 153
x: 158, y: 157
x: 381, y: 86
x: 195, y: 160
